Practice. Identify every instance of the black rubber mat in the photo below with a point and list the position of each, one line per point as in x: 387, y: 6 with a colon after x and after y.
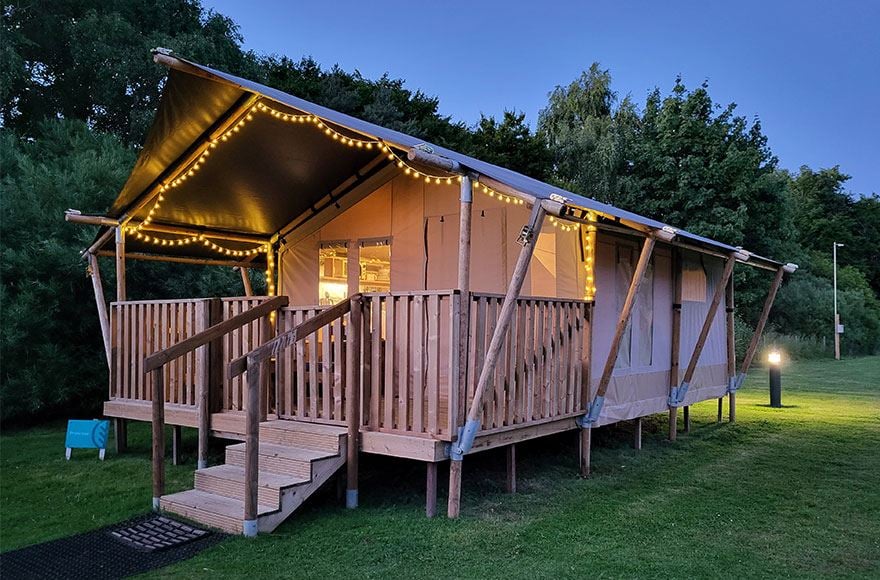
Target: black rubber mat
x: 103, y: 553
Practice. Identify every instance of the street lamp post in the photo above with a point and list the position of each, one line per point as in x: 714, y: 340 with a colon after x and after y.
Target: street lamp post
x: 836, y: 315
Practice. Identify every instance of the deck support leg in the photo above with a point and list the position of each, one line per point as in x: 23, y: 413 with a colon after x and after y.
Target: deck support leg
x: 453, y: 506
x: 720, y: 408
x: 687, y: 418
x: 585, y: 436
x: 732, y: 408
x: 120, y: 432
x: 511, y: 468
x: 673, y: 423
x: 637, y: 434
x: 175, y: 444
x: 431, y: 490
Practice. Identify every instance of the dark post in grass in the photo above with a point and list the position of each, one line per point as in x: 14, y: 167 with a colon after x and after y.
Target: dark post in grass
x: 774, y: 359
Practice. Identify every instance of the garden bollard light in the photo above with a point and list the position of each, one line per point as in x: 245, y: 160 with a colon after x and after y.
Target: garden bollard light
x: 774, y: 358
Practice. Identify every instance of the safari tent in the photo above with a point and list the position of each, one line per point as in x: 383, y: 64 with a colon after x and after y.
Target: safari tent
x: 420, y: 303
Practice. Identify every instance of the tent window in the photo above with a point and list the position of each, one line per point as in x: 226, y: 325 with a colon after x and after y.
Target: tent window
x: 375, y: 263
x: 693, y: 280
x: 333, y: 272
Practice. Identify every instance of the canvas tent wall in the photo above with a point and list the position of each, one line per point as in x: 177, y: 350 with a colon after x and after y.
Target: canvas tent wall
x: 421, y: 223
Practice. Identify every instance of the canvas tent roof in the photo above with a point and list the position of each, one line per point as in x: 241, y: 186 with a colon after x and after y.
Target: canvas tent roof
x: 271, y: 173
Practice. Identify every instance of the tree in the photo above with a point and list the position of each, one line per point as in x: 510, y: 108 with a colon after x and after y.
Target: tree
x: 511, y: 144
x: 89, y: 60
x: 588, y: 135
x: 50, y: 339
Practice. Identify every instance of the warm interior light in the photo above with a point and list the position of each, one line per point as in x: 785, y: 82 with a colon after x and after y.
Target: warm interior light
x: 774, y: 358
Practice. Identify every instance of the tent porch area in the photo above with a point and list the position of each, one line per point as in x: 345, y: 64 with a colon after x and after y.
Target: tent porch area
x: 412, y: 397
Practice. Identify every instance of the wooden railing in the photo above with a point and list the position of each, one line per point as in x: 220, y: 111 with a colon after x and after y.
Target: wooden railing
x: 310, y: 374
x: 255, y: 363
x: 239, y: 342
x: 410, y: 375
x: 540, y: 374
x: 155, y: 365
x: 142, y: 328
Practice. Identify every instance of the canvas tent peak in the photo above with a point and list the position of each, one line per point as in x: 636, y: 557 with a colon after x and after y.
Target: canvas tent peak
x: 202, y: 99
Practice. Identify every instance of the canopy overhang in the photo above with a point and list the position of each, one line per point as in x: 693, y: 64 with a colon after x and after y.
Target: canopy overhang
x: 241, y: 164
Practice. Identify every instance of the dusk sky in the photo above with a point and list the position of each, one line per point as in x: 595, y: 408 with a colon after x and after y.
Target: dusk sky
x: 809, y: 70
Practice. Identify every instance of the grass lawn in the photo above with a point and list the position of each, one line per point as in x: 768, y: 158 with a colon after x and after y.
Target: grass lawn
x: 783, y: 492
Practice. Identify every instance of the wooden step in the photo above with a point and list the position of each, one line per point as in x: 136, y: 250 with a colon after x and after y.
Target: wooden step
x: 228, y: 481
x: 302, y: 434
x: 210, y: 509
x: 280, y: 459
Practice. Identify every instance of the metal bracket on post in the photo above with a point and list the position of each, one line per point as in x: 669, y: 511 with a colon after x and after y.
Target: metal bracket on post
x: 676, y: 397
x: 465, y: 440
x: 734, y: 383
x: 249, y: 528
x: 155, y: 504
x: 592, y: 415
x: 351, y: 499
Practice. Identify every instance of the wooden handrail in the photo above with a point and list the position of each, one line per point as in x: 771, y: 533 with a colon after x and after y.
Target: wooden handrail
x: 156, y: 360
x: 285, y: 339
x: 253, y: 364
x: 154, y: 363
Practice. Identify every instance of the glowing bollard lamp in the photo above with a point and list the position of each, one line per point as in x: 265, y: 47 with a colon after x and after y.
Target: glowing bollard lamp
x: 775, y: 359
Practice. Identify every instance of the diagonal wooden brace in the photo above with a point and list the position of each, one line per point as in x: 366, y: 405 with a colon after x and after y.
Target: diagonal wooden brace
x: 595, y: 406
x: 759, y: 330
x: 676, y: 397
x: 527, y: 238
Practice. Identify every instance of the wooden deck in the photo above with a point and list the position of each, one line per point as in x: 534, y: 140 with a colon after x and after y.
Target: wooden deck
x: 414, y: 394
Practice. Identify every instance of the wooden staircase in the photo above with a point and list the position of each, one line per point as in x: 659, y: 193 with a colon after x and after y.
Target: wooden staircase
x: 296, y: 458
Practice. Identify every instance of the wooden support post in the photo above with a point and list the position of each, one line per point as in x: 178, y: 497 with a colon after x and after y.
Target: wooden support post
x: 731, y: 349
x: 120, y: 264
x: 431, y: 490
x: 585, y: 436
x: 176, y: 435
x: 120, y: 432
x: 464, y: 284
x: 453, y: 507
x: 101, y: 303
x: 487, y: 373
x: 158, y: 435
x: 352, y: 400
x: 252, y: 446
x: 637, y: 434
x: 511, y: 468
x: 203, y: 387
x: 586, y: 387
x: 675, y: 340
x: 687, y: 419
x: 720, y: 409
x: 464, y: 276
x: 246, y: 281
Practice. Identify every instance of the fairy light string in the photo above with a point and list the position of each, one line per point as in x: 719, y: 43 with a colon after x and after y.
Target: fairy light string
x: 139, y: 230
